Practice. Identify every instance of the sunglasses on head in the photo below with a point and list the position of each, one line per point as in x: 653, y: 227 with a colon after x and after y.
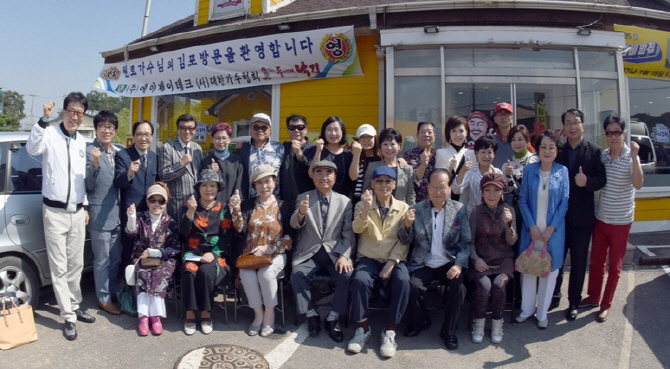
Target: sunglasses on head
x: 298, y: 127
x: 160, y: 201
x: 257, y: 127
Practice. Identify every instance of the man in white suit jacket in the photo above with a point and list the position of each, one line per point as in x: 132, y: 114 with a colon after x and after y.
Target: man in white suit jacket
x: 325, y: 242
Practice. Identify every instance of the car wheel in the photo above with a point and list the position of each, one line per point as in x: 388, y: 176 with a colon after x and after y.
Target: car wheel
x: 19, y: 277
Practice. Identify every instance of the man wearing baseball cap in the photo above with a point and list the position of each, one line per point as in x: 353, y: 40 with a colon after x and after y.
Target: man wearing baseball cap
x: 325, y: 242
x: 504, y: 119
x: 259, y: 150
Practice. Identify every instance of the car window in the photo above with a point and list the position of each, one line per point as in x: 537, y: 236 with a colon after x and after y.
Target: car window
x: 26, y: 170
x: 646, y: 154
x: 3, y: 166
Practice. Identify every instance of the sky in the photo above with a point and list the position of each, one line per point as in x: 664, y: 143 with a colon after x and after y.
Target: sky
x: 50, y: 48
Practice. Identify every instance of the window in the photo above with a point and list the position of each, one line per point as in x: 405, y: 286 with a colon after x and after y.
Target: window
x: 26, y: 170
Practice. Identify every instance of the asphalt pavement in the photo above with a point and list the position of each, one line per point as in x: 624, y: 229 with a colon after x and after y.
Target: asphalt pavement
x: 635, y: 336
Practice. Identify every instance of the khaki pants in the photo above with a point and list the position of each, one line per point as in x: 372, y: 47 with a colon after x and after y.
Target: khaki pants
x: 64, y: 233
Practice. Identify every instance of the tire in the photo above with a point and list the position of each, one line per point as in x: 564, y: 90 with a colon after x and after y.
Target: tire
x: 18, y: 276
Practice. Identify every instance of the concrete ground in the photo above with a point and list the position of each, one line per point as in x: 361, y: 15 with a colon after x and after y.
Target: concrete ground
x: 635, y: 336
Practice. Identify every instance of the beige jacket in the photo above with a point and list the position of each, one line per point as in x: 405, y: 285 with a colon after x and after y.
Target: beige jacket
x: 380, y: 241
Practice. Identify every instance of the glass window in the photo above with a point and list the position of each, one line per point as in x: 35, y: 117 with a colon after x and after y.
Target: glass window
x: 26, y: 170
x: 417, y: 99
x: 650, y: 112
x: 600, y: 98
x: 509, y: 58
x: 417, y: 58
x: 597, y: 60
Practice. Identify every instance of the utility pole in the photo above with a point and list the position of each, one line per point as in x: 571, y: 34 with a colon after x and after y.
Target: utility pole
x: 32, y: 102
x: 146, y: 18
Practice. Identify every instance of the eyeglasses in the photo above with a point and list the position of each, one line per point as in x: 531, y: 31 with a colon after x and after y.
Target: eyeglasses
x: 384, y: 182
x: 548, y: 148
x: 257, y: 128
x: 575, y: 123
x: 187, y: 129
x: 107, y: 127
x: 221, y: 138
x: 365, y: 138
x: 298, y: 127
x: 75, y: 113
x: 159, y: 201
x: 143, y: 135
x: 613, y: 133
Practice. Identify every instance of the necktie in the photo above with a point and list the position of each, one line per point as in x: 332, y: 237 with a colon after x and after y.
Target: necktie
x: 435, y: 219
x: 324, y: 210
x: 143, y: 160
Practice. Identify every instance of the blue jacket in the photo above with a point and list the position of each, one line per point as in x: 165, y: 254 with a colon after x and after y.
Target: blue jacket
x: 559, y: 189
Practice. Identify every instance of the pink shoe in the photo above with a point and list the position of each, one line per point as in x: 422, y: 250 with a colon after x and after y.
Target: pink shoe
x: 156, y: 325
x: 143, y: 326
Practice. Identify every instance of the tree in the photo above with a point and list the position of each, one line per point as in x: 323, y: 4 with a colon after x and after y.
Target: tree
x: 101, y: 101
x: 12, y: 112
x: 123, y: 132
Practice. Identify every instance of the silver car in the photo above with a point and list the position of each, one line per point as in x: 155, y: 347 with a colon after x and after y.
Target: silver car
x: 24, y: 266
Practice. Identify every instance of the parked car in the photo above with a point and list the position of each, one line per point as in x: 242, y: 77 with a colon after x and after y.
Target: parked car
x: 647, y: 153
x: 662, y: 158
x: 24, y: 266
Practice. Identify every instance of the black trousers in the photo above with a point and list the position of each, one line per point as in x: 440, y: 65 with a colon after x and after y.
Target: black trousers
x: 199, y: 286
x: 577, y: 241
x: 455, y: 294
x: 361, y: 285
x: 302, y: 275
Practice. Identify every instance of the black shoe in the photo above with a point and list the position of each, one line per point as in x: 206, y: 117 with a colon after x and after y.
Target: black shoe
x: 555, y: 301
x: 334, y: 331
x: 587, y: 304
x: 314, y: 325
x: 70, y: 331
x: 571, y: 313
x: 414, y: 331
x: 83, y: 316
x: 451, y: 341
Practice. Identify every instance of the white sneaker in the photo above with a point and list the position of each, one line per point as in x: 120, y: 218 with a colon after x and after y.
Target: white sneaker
x: 358, y: 341
x: 189, y: 330
x: 497, y: 330
x: 388, y: 345
x: 206, y: 328
x: 478, y: 330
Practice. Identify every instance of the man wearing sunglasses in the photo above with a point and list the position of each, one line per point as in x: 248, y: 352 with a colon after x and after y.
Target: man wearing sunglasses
x: 259, y: 150
x: 296, y: 164
x: 64, y: 192
x: 179, y: 164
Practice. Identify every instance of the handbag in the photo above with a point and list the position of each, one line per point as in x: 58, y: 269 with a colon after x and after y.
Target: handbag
x: 130, y: 273
x: 150, y: 263
x: 17, y: 324
x: 534, y: 262
x: 251, y: 261
x: 127, y: 300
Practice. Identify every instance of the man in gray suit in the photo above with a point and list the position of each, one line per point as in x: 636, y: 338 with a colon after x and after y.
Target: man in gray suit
x: 179, y: 165
x: 439, y: 240
x: 103, y: 210
x: 325, y: 242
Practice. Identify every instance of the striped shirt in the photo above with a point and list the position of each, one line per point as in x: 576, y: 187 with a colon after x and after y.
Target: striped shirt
x: 617, y: 198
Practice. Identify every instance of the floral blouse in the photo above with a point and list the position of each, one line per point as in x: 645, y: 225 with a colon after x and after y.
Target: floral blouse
x: 208, y: 231
x: 413, y: 158
x: 264, y: 228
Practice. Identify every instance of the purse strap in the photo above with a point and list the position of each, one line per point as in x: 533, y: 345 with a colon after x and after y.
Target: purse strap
x: 5, y: 311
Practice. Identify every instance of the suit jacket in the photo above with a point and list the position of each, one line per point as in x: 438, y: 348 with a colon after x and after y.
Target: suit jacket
x: 404, y: 184
x: 337, y: 238
x: 103, y: 196
x: 230, y: 171
x: 179, y: 180
x: 581, y: 206
x: 455, y: 234
x: 556, y: 209
x: 294, y: 177
x: 133, y: 191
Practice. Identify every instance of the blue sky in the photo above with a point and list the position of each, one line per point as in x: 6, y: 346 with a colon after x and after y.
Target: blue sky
x: 50, y: 48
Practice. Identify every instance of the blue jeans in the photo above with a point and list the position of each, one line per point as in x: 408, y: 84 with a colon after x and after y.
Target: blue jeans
x: 361, y: 285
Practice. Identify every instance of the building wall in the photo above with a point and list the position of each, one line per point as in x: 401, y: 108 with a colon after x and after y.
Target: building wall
x: 147, y: 105
x: 354, y: 99
x: 203, y: 12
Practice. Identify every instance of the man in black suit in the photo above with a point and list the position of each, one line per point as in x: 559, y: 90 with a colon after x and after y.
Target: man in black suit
x: 136, y: 169
x: 587, y: 175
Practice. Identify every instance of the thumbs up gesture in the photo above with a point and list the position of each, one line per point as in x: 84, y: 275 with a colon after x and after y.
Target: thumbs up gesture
x: 453, y: 163
x: 467, y: 166
x: 366, y: 197
x: 509, y: 171
x: 215, y: 165
x: 192, y: 203
x: 235, y: 201
x: 304, y: 206
x: 580, y: 178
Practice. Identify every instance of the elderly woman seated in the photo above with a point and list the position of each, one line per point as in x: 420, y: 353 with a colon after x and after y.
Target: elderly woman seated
x: 381, y: 256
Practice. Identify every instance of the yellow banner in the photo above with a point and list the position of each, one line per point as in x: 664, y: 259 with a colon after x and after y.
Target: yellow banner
x: 646, y: 54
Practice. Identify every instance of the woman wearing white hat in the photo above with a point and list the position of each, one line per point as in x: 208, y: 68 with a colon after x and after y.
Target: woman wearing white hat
x: 365, y: 150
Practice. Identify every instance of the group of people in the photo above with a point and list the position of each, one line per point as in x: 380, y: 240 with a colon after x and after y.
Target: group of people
x: 368, y: 218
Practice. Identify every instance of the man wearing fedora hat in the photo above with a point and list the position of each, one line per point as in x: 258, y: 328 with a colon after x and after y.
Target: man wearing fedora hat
x: 325, y: 242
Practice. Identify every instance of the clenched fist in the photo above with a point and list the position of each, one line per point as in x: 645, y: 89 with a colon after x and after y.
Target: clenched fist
x: 409, y: 218
x: 95, y: 156
x: 48, y: 109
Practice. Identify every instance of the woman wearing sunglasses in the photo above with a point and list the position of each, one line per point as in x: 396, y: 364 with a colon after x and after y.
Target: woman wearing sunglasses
x: 206, y: 227
x: 156, y: 245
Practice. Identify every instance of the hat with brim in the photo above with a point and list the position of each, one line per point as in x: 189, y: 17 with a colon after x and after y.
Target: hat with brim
x: 208, y: 175
x: 495, y: 179
x: 261, y: 172
x: 157, y: 189
x: 366, y: 129
x: 325, y: 164
x: 384, y: 171
x: 503, y: 106
x: 261, y: 118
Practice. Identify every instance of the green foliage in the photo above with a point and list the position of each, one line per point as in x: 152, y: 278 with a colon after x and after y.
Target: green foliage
x: 123, y: 131
x: 12, y: 113
x: 101, y: 101
x: 9, y: 123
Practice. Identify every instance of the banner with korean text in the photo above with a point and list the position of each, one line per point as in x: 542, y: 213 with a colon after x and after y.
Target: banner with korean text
x: 273, y: 59
x: 646, y: 54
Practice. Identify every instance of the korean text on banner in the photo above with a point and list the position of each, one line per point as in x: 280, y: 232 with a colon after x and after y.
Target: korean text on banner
x: 646, y: 54
x: 265, y: 60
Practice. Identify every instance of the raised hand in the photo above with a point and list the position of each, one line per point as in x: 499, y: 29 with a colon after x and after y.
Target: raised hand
x: 410, y: 215
x: 95, y: 156
x: 356, y: 148
x: 131, y: 210
x: 304, y: 206
x: 235, y: 200
x: 48, y: 109
x: 580, y: 178
x: 366, y: 197
x: 296, y: 146
x: 192, y: 203
x: 507, y: 216
x: 509, y: 171
x: 186, y: 160
x: 467, y: 166
x: 634, y: 149
x: 215, y: 165
x: 319, y: 144
x: 134, y: 167
x: 453, y: 162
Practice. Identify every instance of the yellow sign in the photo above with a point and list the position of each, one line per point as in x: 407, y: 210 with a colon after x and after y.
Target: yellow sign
x: 646, y: 54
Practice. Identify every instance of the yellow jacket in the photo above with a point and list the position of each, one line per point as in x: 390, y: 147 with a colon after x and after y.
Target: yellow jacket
x: 377, y: 241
